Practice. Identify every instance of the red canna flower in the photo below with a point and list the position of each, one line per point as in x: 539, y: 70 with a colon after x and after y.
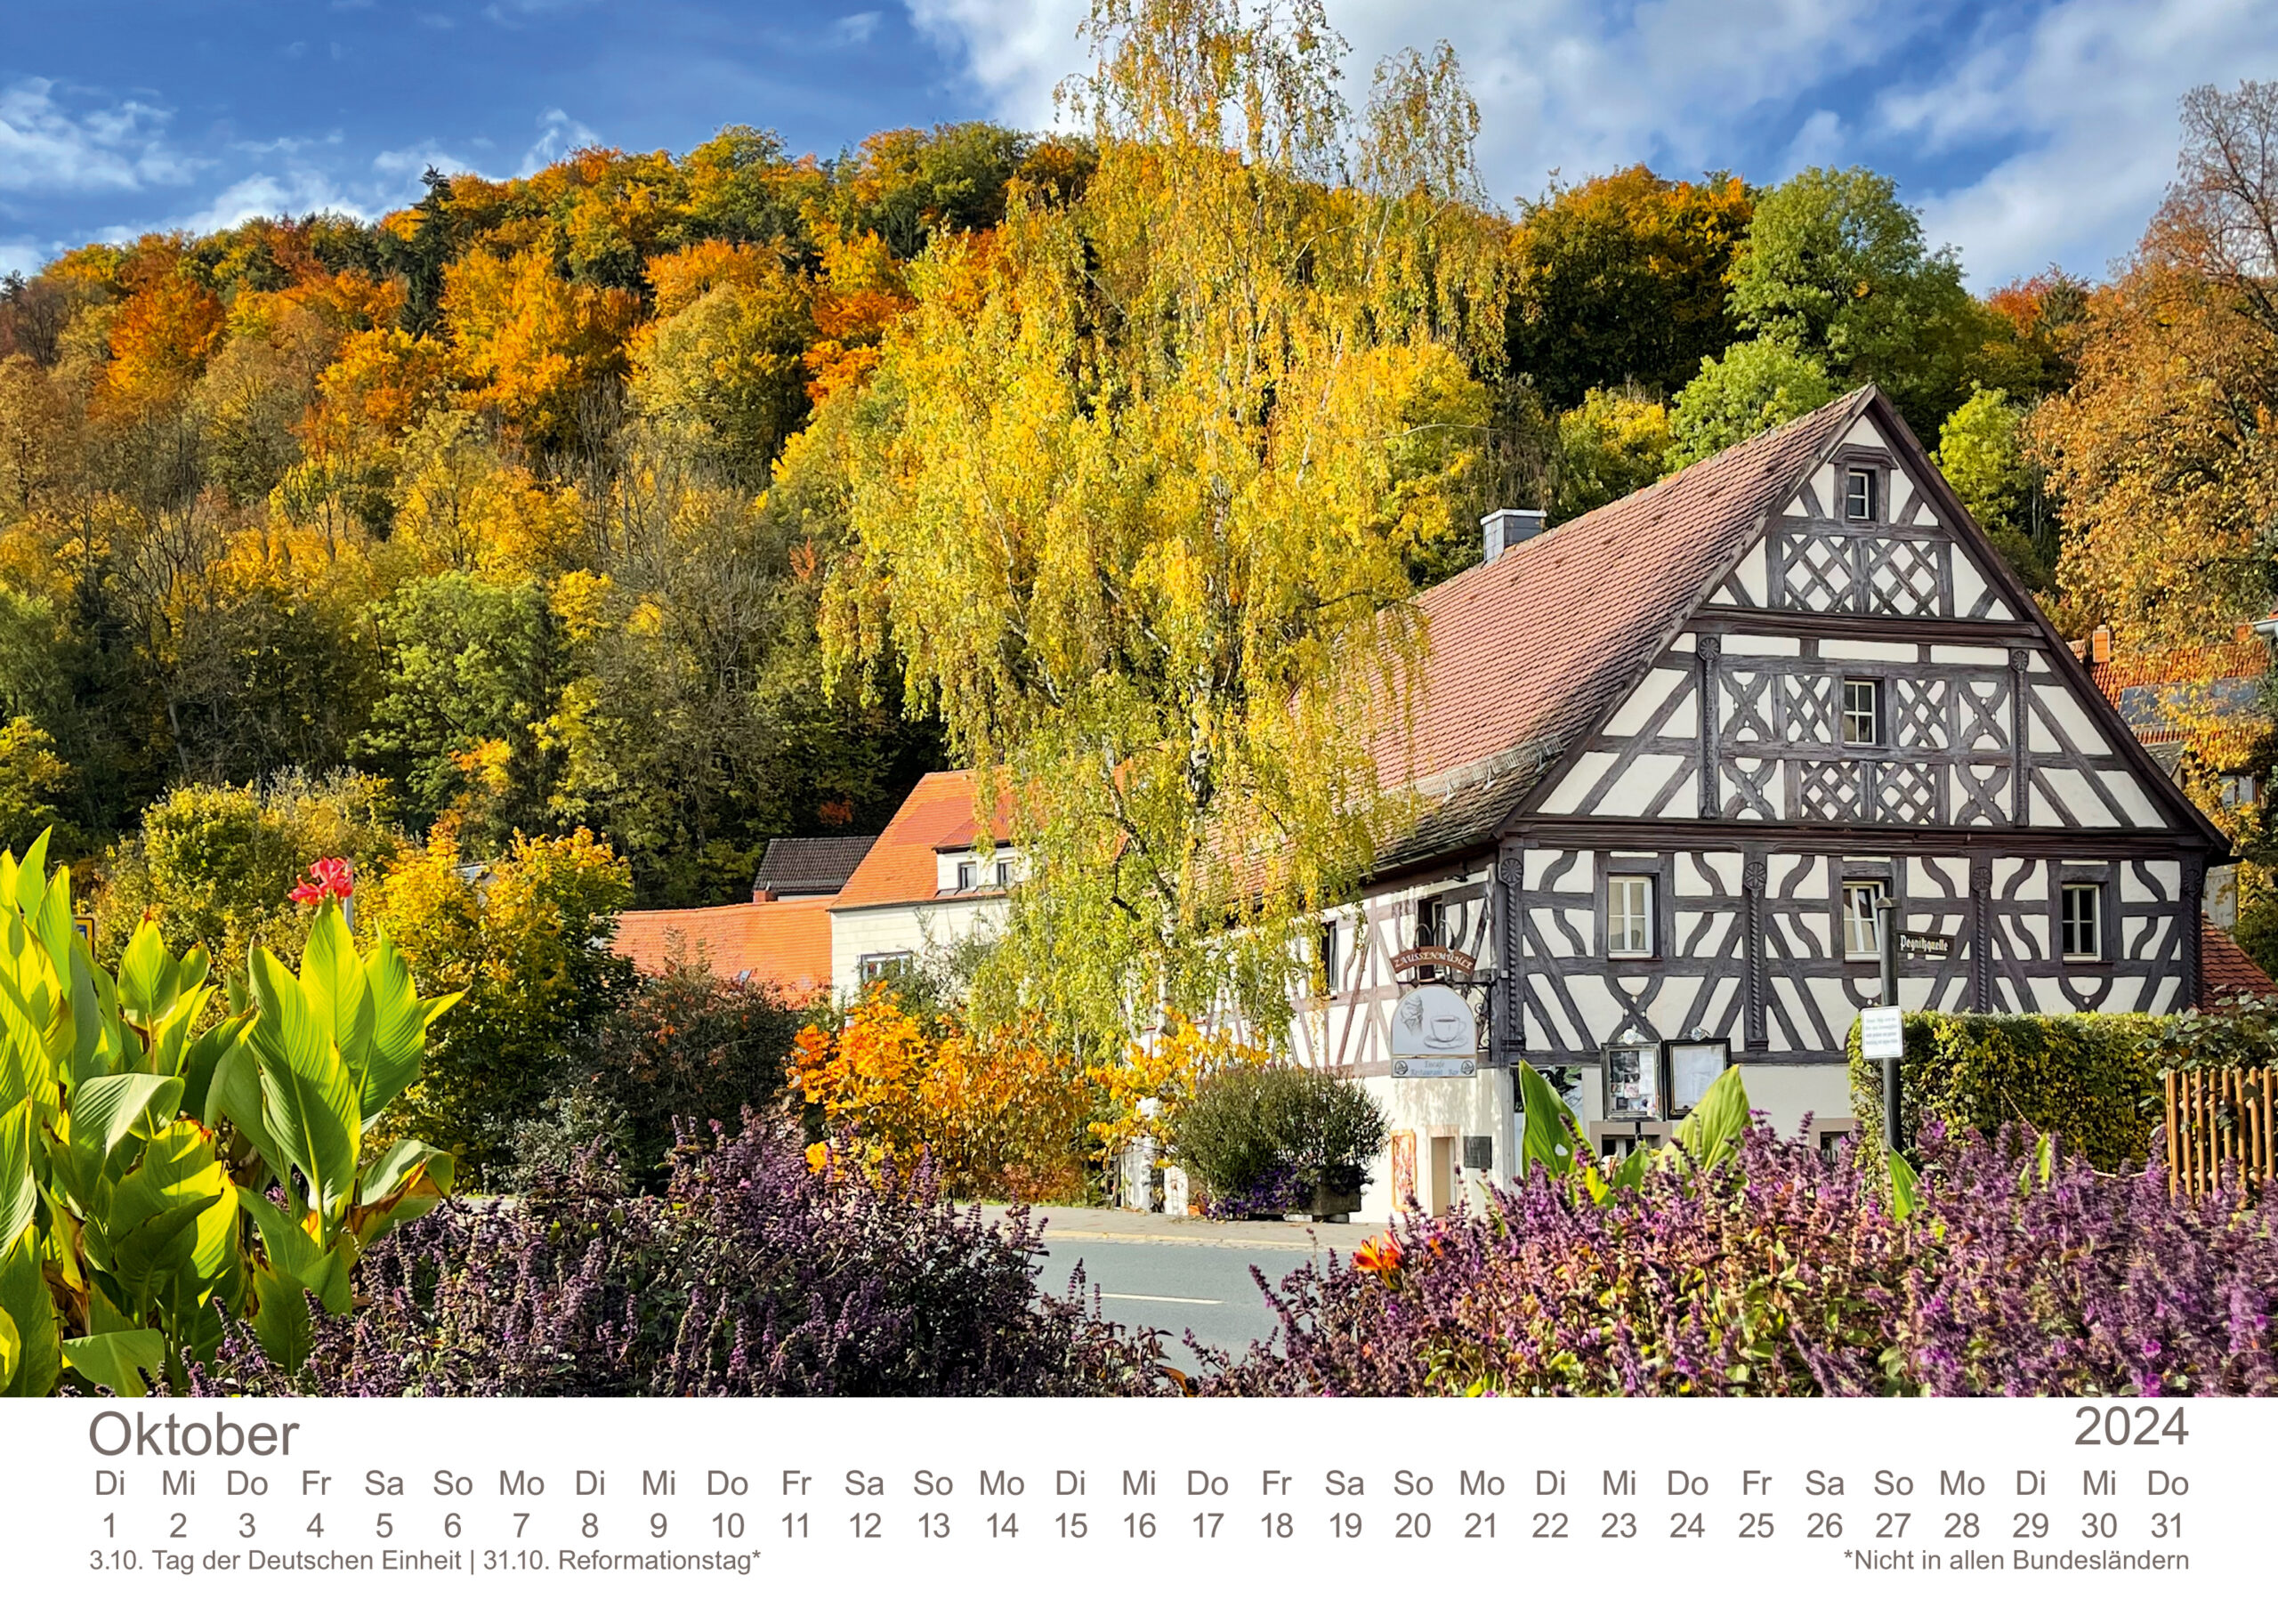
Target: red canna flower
x: 331, y: 878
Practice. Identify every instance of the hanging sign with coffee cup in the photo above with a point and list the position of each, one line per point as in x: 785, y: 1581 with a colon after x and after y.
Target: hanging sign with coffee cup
x: 1434, y: 1033
x: 1455, y: 960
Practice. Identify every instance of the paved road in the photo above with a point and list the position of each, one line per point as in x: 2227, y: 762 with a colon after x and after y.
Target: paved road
x: 1179, y: 1276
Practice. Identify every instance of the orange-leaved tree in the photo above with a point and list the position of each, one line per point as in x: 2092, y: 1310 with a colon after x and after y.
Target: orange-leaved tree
x: 1000, y: 1114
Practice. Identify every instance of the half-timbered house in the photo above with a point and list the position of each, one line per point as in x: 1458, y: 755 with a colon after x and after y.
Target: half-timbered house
x: 1668, y: 759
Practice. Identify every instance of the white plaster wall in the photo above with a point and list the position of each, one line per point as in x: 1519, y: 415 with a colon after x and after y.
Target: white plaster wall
x: 1471, y: 1105
x: 902, y: 927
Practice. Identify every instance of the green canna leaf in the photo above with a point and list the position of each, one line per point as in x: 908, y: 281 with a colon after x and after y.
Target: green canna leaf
x: 104, y: 1112
x: 1905, y: 1200
x: 339, y: 994
x: 148, y: 974
x: 281, y: 1322
x: 400, y: 1020
x: 407, y: 1182
x: 1713, y: 1132
x: 1553, y: 1138
x: 116, y: 1359
x: 203, y: 1058
x: 18, y: 1193
x: 310, y: 1105
x: 25, y: 1298
x: 234, y: 1097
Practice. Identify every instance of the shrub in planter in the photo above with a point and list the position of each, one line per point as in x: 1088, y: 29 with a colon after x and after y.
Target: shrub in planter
x: 1275, y: 1138
x: 2090, y: 1079
x: 754, y: 1274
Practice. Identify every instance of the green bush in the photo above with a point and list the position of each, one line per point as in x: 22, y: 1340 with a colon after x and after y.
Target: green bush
x: 215, y: 865
x: 2241, y: 1031
x: 2089, y: 1080
x: 1251, y: 1127
x: 684, y: 1048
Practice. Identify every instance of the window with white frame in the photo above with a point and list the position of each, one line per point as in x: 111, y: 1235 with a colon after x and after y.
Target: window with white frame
x: 967, y: 876
x: 1629, y: 916
x: 1003, y: 874
x: 1329, y: 966
x: 870, y: 966
x: 1861, y: 918
x: 2081, y: 922
x: 1859, y: 496
x: 1863, y: 710
x: 2240, y: 789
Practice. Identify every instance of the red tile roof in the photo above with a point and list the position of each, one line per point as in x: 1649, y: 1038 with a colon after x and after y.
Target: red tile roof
x: 1528, y: 651
x: 2208, y: 697
x: 786, y: 943
x: 937, y: 817
x: 2246, y: 655
x: 2224, y: 967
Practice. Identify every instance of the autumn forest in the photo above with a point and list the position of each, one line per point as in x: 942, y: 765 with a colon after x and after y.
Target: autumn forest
x: 633, y: 496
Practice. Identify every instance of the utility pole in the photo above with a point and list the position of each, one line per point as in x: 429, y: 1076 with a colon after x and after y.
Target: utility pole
x: 1887, y: 941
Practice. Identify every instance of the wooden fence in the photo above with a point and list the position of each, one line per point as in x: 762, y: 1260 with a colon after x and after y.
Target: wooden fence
x: 2218, y: 1119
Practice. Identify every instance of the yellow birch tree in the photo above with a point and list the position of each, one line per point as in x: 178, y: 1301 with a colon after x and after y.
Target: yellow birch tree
x: 1136, y: 488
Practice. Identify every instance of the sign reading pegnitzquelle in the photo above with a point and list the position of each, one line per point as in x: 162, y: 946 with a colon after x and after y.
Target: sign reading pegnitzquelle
x: 1925, y: 944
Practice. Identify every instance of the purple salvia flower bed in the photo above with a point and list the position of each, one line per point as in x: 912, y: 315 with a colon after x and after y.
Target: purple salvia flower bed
x: 753, y: 1274
x: 1781, y: 1273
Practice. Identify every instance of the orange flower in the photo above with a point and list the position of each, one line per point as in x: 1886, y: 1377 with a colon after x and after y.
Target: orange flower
x: 1381, y: 1256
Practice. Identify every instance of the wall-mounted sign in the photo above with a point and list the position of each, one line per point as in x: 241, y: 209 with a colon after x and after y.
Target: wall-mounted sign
x: 1434, y: 1033
x: 1925, y: 944
x: 1882, y: 1034
x: 1437, y: 958
x: 1694, y: 1064
x: 1629, y: 1071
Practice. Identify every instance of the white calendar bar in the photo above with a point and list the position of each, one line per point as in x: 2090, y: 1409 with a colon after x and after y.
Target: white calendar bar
x: 1012, y: 1510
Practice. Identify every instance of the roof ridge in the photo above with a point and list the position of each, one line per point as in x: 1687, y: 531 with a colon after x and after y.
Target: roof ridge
x: 1607, y: 512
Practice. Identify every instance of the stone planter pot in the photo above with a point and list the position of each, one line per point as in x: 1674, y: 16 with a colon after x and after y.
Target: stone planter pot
x: 1332, y: 1192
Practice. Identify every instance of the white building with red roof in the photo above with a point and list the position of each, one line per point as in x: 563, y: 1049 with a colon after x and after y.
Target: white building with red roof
x: 929, y: 883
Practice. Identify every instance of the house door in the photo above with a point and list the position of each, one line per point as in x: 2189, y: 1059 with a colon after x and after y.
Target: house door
x: 1443, y: 1174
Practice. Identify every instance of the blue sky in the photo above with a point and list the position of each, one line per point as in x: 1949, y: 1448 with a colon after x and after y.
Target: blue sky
x: 2028, y: 132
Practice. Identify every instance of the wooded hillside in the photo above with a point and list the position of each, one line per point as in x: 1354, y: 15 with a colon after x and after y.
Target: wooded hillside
x: 533, y: 505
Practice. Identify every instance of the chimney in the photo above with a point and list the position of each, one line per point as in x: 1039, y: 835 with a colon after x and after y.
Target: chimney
x: 2100, y: 646
x: 1507, y: 527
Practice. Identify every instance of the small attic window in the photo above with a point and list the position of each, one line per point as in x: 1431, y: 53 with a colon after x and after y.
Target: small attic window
x: 1859, y: 496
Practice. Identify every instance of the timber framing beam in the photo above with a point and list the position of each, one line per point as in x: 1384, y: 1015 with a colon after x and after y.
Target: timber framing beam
x: 1877, y: 628
x: 1996, y: 840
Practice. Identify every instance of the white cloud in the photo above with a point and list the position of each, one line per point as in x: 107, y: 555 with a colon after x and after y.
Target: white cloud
x: 1568, y: 86
x: 2074, y: 107
x: 1013, y: 52
x: 298, y: 192
x: 23, y: 258
x: 559, y: 135
x: 855, y: 29
x: 115, y: 146
x: 2091, y: 91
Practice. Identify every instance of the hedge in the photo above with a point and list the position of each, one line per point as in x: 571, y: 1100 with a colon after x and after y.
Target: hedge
x: 2087, y: 1079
